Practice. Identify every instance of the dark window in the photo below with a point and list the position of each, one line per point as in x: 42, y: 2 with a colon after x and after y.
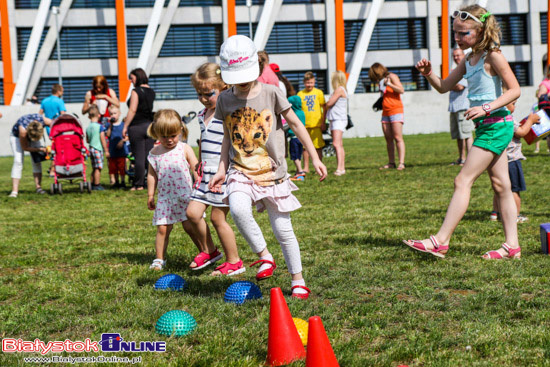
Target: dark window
x: 99, y: 4
x: 172, y: 87
x: 23, y: 35
x: 74, y: 88
x: 513, y: 28
x: 292, y: 37
x: 285, y: 2
x: 2, y: 90
x: 389, y: 34
x: 521, y: 71
x: 186, y: 40
x: 544, y: 27
x: 409, y: 76
x: 134, y: 39
x: 296, y: 78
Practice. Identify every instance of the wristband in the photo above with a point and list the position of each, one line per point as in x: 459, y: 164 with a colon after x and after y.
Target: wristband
x: 427, y: 75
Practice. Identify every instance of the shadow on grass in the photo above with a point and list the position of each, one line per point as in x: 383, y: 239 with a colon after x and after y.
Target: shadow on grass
x: 368, y: 241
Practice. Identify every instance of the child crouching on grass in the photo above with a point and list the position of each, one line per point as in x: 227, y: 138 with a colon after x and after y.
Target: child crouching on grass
x: 169, y: 174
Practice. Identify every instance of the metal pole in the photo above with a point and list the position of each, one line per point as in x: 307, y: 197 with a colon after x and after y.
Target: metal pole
x: 55, y: 11
x: 249, y: 5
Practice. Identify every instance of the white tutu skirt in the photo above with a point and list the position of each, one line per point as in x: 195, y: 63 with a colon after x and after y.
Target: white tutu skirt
x: 280, y: 194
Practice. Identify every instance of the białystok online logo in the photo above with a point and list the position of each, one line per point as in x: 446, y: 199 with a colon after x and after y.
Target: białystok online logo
x: 110, y: 342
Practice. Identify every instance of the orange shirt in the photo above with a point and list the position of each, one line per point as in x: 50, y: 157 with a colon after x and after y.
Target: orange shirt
x: 391, y: 104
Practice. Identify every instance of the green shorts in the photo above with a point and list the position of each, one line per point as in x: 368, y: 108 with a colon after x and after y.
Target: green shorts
x: 495, y: 137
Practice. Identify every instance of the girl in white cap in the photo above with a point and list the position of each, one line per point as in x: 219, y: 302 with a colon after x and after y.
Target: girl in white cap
x: 253, y: 157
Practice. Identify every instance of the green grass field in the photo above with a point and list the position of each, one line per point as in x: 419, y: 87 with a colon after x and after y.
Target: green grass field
x: 75, y: 266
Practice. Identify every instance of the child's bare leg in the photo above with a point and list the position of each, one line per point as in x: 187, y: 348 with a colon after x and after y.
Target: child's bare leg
x: 517, y: 200
x: 495, y: 203
x: 306, y: 161
x: 339, y: 147
x: 298, y: 164
x: 473, y: 168
x: 97, y: 176
x: 207, y: 246
x: 388, y: 135
x: 218, y: 216
x: 319, y: 153
x: 162, y: 239
x: 500, y: 179
x: 112, y: 178
x: 397, y: 131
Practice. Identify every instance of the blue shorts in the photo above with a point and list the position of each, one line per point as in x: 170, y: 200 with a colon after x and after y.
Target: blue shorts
x: 516, y: 176
x: 296, y: 149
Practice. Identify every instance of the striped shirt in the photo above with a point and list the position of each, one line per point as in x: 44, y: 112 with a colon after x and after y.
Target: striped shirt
x: 211, y: 142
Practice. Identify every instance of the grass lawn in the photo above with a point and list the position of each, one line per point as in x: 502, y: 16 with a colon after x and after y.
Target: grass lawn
x: 75, y: 266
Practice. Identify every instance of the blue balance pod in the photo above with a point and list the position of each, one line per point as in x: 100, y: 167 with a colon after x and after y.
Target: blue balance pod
x: 239, y: 292
x: 176, y: 323
x: 171, y: 281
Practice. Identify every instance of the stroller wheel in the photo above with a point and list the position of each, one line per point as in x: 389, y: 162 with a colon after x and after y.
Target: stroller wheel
x: 53, y: 189
x: 60, y: 189
x: 81, y: 187
x: 89, y: 187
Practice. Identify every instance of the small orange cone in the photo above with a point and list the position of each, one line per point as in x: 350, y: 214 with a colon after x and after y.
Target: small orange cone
x: 319, y: 350
x: 283, y: 345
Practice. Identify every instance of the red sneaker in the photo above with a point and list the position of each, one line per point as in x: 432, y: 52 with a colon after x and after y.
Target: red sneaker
x: 267, y: 273
x: 300, y: 295
x: 203, y: 259
x: 231, y: 269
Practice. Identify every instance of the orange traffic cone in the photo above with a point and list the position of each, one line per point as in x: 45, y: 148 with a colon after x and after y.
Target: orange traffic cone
x: 319, y: 350
x: 283, y: 345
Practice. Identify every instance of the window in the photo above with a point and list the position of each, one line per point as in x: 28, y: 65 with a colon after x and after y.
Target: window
x: 23, y: 35
x: 521, y: 71
x: 409, y: 76
x: 544, y: 27
x: 389, y: 34
x: 2, y: 89
x: 292, y: 37
x: 513, y: 28
x: 74, y: 88
x: 169, y: 87
x: 134, y: 39
x: 99, y: 4
x: 191, y: 40
x: 296, y: 78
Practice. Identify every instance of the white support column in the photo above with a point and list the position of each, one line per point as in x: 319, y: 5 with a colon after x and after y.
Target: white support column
x: 161, y: 34
x: 362, y: 45
x: 270, y: 10
x: 330, y: 36
x: 535, y: 8
x: 47, y: 47
x: 13, y: 40
x: 30, y: 54
x: 225, y: 21
x: 150, y: 35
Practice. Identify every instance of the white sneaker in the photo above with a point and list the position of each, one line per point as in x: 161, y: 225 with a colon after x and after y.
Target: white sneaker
x: 158, y: 264
x: 522, y: 219
x: 13, y: 194
x: 494, y: 216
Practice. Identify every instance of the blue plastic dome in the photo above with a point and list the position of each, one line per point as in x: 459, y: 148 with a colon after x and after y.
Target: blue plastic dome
x: 171, y: 281
x: 241, y: 291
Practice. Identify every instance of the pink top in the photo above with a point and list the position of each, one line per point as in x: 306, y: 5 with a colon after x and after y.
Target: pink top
x: 269, y: 77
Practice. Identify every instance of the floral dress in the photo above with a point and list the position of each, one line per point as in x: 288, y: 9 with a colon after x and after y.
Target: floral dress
x: 174, y: 185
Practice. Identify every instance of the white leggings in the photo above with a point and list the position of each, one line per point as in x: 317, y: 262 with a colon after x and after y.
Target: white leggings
x: 19, y: 157
x: 240, y: 205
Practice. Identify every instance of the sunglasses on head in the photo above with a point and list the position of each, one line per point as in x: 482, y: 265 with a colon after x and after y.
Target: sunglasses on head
x: 463, y: 15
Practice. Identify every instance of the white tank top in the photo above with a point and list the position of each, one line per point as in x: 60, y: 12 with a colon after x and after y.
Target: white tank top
x: 340, y: 109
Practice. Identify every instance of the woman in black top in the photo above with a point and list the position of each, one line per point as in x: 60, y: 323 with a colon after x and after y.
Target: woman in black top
x: 140, y: 116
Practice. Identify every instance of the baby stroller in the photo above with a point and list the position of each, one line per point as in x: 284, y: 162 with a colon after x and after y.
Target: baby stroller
x: 69, y: 153
x: 328, y: 149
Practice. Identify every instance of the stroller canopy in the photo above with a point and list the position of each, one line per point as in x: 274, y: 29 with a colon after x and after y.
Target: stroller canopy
x: 66, y: 123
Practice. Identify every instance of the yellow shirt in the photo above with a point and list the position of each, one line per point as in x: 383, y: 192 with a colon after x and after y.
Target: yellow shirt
x: 311, y: 105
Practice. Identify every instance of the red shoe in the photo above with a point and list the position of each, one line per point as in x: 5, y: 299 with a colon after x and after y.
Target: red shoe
x: 511, y: 253
x: 267, y: 273
x: 231, y: 269
x: 438, y: 250
x: 203, y: 259
x: 300, y: 295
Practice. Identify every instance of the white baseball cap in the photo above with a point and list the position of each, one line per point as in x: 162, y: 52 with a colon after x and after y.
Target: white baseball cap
x: 239, y: 60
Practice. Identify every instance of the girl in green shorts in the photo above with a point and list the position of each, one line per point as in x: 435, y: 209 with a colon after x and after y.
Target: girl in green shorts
x: 486, y: 70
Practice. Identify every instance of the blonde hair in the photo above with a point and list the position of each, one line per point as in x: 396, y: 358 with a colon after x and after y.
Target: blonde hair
x: 113, y: 107
x: 35, y: 130
x: 378, y: 72
x: 489, y: 30
x: 338, y: 79
x: 93, y: 111
x: 309, y: 75
x: 167, y: 122
x: 208, y: 73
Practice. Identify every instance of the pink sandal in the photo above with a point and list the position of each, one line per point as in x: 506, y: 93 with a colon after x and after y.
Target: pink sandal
x: 300, y: 295
x: 512, y: 253
x: 203, y: 259
x: 231, y: 269
x: 267, y: 273
x: 436, y: 251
